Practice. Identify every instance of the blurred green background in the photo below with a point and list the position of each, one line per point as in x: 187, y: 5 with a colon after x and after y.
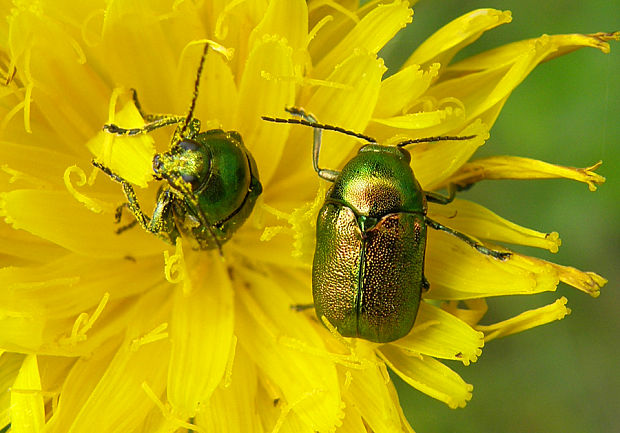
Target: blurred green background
x: 562, y: 377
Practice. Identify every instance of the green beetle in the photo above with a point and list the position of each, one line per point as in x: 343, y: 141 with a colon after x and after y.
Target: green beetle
x: 368, y: 270
x: 212, y: 180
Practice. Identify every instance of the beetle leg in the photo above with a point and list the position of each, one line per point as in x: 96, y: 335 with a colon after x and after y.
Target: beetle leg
x: 117, y: 219
x: 159, y: 224
x: 468, y: 240
x: 186, y: 190
x: 126, y: 227
x: 181, y: 134
x: 441, y: 199
x: 309, y: 120
x: 301, y: 307
x: 425, y: 284
x: 329, y: 175
x: 118, y: 214
x: 159, y: 120
x: 155, y: 121
x: 165, y: 120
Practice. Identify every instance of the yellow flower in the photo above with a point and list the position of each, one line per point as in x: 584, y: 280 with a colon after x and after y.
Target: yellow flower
x: 124, y: 332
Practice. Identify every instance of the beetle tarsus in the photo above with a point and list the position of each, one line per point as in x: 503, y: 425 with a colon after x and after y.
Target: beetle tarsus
x: 434, y: 197
x: 126, y: 227
x: 468, y: 240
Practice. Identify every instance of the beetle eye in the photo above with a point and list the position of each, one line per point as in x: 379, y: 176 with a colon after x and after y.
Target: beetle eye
x: 192, y: 165
x: 189, y: 145
x: 191, y: 179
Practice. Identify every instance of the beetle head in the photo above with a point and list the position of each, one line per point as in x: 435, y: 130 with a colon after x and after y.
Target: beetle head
x: 185, y: 162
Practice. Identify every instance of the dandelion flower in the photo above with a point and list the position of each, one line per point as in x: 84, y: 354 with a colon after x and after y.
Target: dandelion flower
x: 128, y: 333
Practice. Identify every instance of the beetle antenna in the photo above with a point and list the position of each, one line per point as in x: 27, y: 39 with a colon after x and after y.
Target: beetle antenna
x: 192, y: 106
x: 436, y: 138
x: 324, y: 126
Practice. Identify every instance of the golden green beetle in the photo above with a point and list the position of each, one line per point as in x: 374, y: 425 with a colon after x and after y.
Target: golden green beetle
x: 368, y: 270
x: 212, y: 180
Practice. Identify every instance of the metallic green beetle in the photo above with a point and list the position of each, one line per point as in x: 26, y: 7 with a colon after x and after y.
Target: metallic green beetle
x: 212, y: 180
x: 368, y: 270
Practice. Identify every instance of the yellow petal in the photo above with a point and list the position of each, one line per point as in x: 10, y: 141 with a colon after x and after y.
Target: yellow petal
x: 426, y: 117
x: 266, y: 89
x: 441, y: 335
x: 28, y: 209
x: 280, y: 252
x: 53, y: 371
x: 290, y: 422
x: 119, y: 401
x: 302, y: 231
x: 450, y: 39
x: 457, y: 271
x: 472, y: 314
x: 421, y: 120
x: 569, y: 43
x: 469, y: 217
x: 218, y: 98
x: 484, y: 92
x: 129, y: 157
x: 10, y: 364
x: 428, y: 375
x: 526, y: 320
x: 19, y: 331
x: 286, y: 18
x: 157, y: 422
x: 232, y: 407
x: 79, y: 384
x: 275, y: 414
x: 398, y: 90
x: 69, y: 285
x: 50, y: 86
x: 348, y: 105
x: 27, y: 412
x: 513, y: 167
x: 276, y: 337
x: 352, y: 422
x: 119, y: 35
x: 64, y: 308
x: 505, y: 55
x: 35, y: 249
x: 368, y: 394
x: 205, y: 313
x: 17, y: 170
x: 587, y: 282
x: 405, y: 426
x: 370, y: 35
x: 434, y: 162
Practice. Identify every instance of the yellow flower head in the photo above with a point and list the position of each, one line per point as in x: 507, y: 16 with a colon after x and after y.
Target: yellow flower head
x: 123, y: 332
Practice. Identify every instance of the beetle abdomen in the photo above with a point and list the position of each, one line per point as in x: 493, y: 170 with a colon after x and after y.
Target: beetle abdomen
x: 391, y: 277
x: 337, y: 259
x: 368, y: 283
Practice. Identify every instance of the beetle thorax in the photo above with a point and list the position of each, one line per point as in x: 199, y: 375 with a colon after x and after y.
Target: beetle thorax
x: 375, y: 184
x: 373, y: 196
